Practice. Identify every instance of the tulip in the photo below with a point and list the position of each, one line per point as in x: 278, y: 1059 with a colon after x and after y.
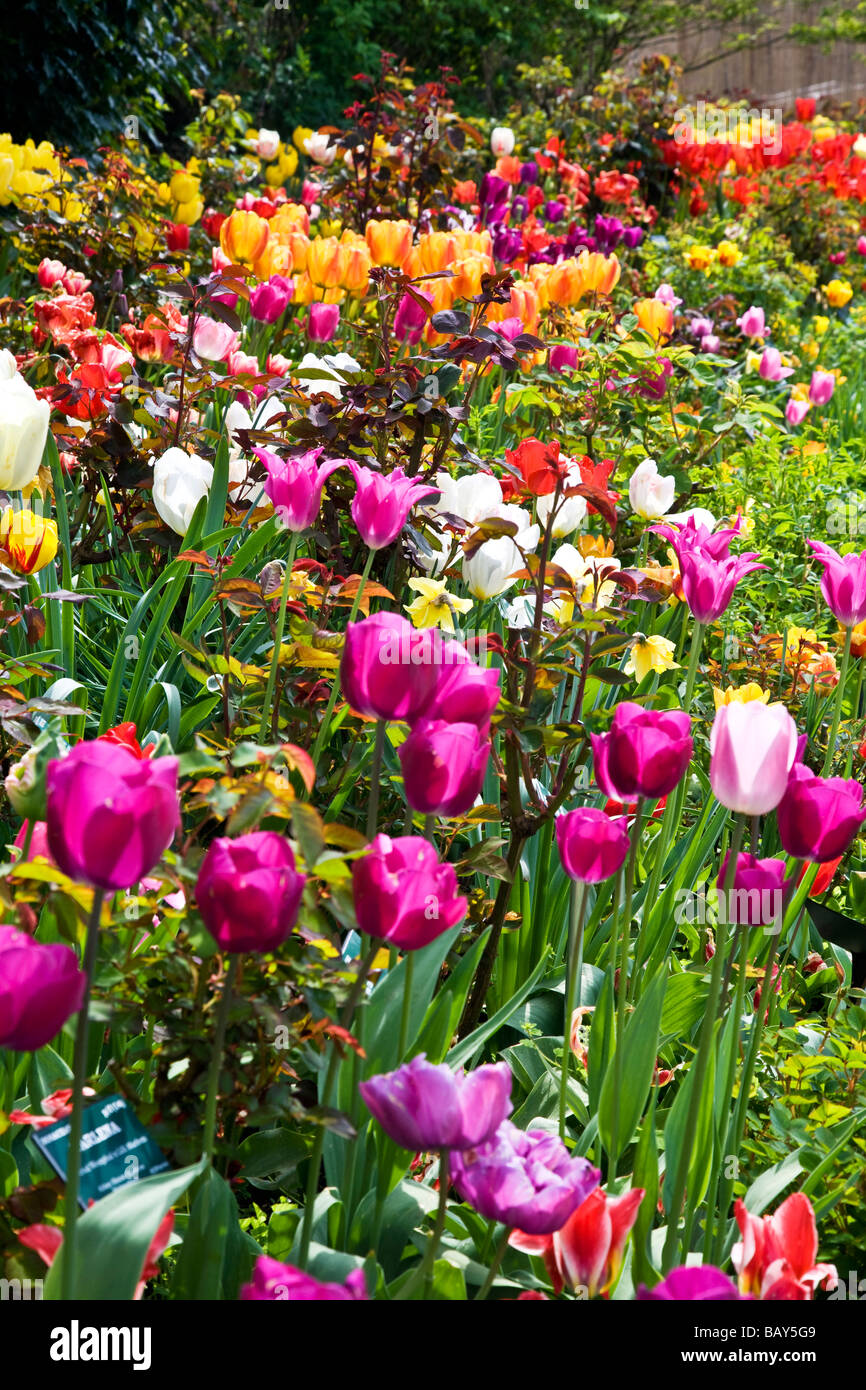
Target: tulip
x: 821, y: 387
x: 491, y: 570
x: 570, y: 511
x: 382, y: 503
x: 529, y: 172
x: 755, y: 896
x: 23, y: 427
x: 425, y: 1107
x: 41, y: 987
x: 317, y: 145
x: 645, y: 754
x: 861, y: 246
x: 50, y: 272
x: 752, y: 750
x: 389, y: 242
x: 294, y: 485
x: 838, y: 293
x: 501, y: 140
x: 243, y: 237
x: 403, y: 894
x: 693, y: 1284
x: 562, y: 358
x: 180, y: 481
x: 270, y: 300
x: 843, y: 583
x: 655, y: 317
x: 701, y: 327
x: 771, y: 368
x: 776, y: 1257
x: 708, y: 584
x: 323, y: 322
x: 443, y: 766
x: 592, y: 847
x: 267, y: 144
x: 28, y: 541
x: 650, y: 494
x: 464, y: 693
x: 248, y: 891
x: 819, y: 816
x: 110, y: 816
x: 752, y: 323
x: 523, y: 1178
x: 666, y: 294
x: 586, y: 1252
x: 389, y: 670
x: 274, y: 1281
x: 796, y: 411
x: 213, y: 340
x: 410, y: 319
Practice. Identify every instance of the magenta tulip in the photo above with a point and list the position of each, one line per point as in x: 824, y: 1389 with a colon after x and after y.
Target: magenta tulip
x: 523, y: 1178
x: 423, y: 1107
x: 819, y: 816
x: 752, y: 750
x: 389, y: 669
x: 294, y: 485
x: 273, y: 1281
x: 41, y: 987
x: 843, y: 583
x: 756, y: 895
x: 403, y: 894
x: 248, y: 891
x: 383, y: 502
x: 752, y: 323
x: 271, y: 299
x: 709, y: 584
x: 694, y: 1284
x: 444, y: 766
x: 796, y: 411
x: 110, y: 815
x: 465, y: 693
x: 410, y: 319
x: 771, y: 368
x: 592, y: 846
x: 645, y: 754
x: 323, y: 322
x: 562, y: 358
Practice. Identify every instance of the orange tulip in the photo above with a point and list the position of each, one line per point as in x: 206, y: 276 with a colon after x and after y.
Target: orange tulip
x: 389, y: 242
x: 435, y: 251
x: 355, y: 268
x: 288, y: 216
x: 324, y: 262
x: 467, y: 275
x: 243, y: 237
x: 508, y: 168
x: 655, y: 318
x: 565, y: 284
x: 600, y: 273
x: 276, y: 260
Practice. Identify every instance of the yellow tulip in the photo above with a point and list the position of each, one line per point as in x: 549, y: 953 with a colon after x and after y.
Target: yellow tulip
x: 243, y: 237
x: 28, y: 541
x: 838, y: 293
x: 183, y: 186
x: 742, y: 695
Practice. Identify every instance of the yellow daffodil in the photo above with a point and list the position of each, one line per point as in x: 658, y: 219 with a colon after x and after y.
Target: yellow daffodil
x: 434, y: 606
x: 650, y: 654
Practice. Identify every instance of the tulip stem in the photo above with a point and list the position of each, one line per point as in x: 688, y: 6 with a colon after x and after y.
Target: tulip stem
x: 79, y: 1076
x: 213, y: 1077
x: 494, y: 1265
x: 267, y: 715
x: 837, y: 708
x: 335, y: 688
x: 405, y: 1013
x: 375, y: 778
x: 699, y: 1066
x: 572, y: 975
x: 423, y: 1271
x: 622, y: 988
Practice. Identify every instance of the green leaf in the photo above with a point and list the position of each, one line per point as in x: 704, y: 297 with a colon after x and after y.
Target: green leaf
x: 467, y: 1049
x: 639, y: 1045
x: 208, y: 1264
x: 271, y: 1153
x: 701, y: 1157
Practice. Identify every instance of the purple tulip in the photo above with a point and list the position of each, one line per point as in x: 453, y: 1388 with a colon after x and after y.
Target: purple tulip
x: 271, y: 299
x: 843, y: 583
x: 529, y: 172
x: 294, y: 485
x: 111, y: 815
x: 562, y: 358
x: 41, y: 987
x: 391, y: 670
x: 694, y: 1284
x: 403, y: 893
x: 592, y: 846
x: 819, y: 816
x: 493, y: 193
x: 444, y: 766
x: 465, y: 693
x: 507, y: 244
x: 609, y: 233
x: 423, y: 1107
x: 248, y: 891
x: 410, y: 319
x: 519, y: 210
x: 632, y: 237
x: 709, y: 584
x: 760, y: 880
x: 752, y: 750
x: 323, y: 322
x: 274, y: 1281
x: 525, y: 1179
x: 554, y: 211
x: 383, y: 502
x: 645, y: 754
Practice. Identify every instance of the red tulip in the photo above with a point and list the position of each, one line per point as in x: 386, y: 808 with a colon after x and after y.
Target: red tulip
x: 587, y: 1251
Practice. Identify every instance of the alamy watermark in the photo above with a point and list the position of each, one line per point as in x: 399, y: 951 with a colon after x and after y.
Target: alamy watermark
x: 740, y: 907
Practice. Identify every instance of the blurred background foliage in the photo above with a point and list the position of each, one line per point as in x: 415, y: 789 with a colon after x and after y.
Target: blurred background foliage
x: 74, y: 73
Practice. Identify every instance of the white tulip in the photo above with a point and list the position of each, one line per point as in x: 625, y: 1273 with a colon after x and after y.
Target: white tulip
x: 180, y: 481
x: 502, y: 140
x: 569, y: 513
x: 317, y: 147
x: 491, y: 569
x: 858, y: 149
x: 23, y: 427
x: 650, y: 494
x: 472, y: 497
x: 701, y: 517
x: 267, y: 144
x: 237, y: 417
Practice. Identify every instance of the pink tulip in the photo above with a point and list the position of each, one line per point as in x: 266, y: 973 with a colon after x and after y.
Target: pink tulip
x: 562, y: 358
x: 752, y: 750
x: 270, y: 300
x: 50, y: 272
x: 843, y: 583
x: 294, y: 485
x: 443, y: 766
x: 861, y: 246
x: 323, y: 322
x: 213, y: 340
x: 796, y: 411
x: 771, y: 368
x: 383, y: 502
x: 752, y: 323
x: 821, y: 387
x: 403, y: 893
x: 410, y: 319
x: 645, y: 754
x: 591, y: 845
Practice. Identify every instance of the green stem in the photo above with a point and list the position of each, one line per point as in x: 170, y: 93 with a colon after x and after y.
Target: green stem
x: 407, y: 1004
x: 267, y: 715
x: 494, y: 1266
x: 213, y: 1077
x: 837, y: 708
x: 375, y: 778
x: 424, y: 1270
x: 79, y: 1076
x: 335, y: 688
x: 575, y: 951
x: 622, y: 988
x: 700, y: 1065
